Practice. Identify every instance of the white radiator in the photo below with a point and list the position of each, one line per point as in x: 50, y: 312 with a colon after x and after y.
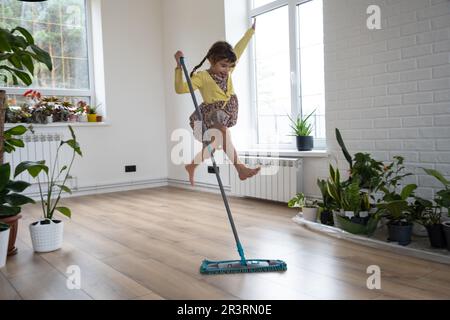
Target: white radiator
x: 280, y: 179
x: 39, y: 146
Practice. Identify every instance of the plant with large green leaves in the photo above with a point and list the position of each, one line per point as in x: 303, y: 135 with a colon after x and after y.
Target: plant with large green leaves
x: 51, y: 196
x: 397, y: 208
x: 11, y: 200
x: 18, y: 54
x: 362, y: 166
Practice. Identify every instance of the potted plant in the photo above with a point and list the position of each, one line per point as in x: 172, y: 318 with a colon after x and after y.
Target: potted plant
x: 4, y: 239
x: 428, y: 215
x: 327, y: 204
x: 399, y: 214
x: 302, y: 129
x: 47, y: 234
x: 335, y: 189
x: 82, y: 111
x: 92, y: 114
x: 10, y: 198
x: 362, y: 167
x: 356, y: 218
x: 442, y: 200
x: 99, y: 118
x: 309, y: 207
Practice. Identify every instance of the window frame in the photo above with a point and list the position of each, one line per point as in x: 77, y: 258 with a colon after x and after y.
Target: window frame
x: 89, y: 93
x: 295, y: 70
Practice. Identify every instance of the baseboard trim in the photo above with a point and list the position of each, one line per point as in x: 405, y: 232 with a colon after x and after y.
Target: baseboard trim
x: 109, y: 188
x: 199, y: 186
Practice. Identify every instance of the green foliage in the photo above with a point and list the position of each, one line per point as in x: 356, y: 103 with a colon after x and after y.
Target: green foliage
x: 11, y: 140
x: 362, y: 167
x: 301, y: 127
x: 367, y: 170
x: 48, y: 201
x: 300, y: 201
x: 18, y: 54
x: 392, y: 175
x: 442, y: 197
x: 335, y: 188
x: 356, y: 228
x: 10, y: 198
x: 352, y: 200
x: 424, y: 212
x: 327, y: 203
x: 341, y: 143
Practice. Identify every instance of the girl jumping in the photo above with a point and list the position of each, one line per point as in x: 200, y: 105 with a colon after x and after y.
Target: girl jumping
x: 220, y: 104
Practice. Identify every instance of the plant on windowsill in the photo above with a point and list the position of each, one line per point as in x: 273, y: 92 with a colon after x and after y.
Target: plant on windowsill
x: 309, y: 207
x: 47, y: 234
x: 302, y: 129
x: 81, y: 111
x: 92, y: 114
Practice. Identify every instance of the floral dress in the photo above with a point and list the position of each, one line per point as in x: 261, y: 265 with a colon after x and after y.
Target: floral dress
x: 215, y: 114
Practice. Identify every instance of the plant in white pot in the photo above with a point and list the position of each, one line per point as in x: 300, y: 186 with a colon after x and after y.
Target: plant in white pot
x: 309, y: 207
x: 47, y: 234
x: 4, y: 239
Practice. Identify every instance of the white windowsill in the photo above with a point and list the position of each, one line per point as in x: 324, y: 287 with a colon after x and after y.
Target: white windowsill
x: 286, y: 153
x: 59, y: 124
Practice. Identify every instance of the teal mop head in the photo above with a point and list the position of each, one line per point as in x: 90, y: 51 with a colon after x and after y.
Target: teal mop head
x: 237, y: 266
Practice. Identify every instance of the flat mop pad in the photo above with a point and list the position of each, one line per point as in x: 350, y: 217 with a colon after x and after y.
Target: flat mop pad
x: 237, y: 266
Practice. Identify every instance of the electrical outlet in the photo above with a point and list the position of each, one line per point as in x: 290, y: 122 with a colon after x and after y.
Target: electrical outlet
x: 211, y: 169
x: 130, y: 168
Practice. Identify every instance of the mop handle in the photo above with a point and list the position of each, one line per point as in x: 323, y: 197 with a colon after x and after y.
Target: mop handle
x: 216, y: 169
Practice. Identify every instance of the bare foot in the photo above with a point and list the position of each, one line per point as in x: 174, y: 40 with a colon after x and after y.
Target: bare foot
x: 190, y: 168
x: 245, y: 173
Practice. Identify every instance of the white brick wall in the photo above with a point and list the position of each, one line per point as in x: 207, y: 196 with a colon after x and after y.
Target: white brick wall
x: 389, y: 89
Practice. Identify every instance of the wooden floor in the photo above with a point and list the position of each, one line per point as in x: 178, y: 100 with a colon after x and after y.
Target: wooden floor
x: 149, y: 244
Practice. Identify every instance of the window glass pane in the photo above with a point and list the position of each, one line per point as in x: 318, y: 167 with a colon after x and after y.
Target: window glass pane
x: 272, y: 66
x: 59, y: 27
x: 311, y: 53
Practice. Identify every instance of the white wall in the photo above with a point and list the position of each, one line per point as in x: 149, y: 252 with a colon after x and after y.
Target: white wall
x: 191, y: 26
x: 388, y: 90
x: 134, y: 90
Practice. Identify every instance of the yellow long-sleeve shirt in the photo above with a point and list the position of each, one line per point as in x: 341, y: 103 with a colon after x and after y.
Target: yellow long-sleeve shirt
x: 202, y: 81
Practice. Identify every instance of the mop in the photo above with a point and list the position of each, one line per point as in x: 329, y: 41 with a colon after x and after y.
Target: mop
x: 229, y: 266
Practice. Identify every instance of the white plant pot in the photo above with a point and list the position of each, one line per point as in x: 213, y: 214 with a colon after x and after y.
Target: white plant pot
x: 309, y: 214
x: 349, y: 214
x: 82, y: 118
x: 4, y: 239
x: 363, y: 214
x: 49, y: 119
x: 47, y: 237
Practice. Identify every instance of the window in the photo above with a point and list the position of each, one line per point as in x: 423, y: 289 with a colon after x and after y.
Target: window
x: 288, y: 69
x: 61, y: 28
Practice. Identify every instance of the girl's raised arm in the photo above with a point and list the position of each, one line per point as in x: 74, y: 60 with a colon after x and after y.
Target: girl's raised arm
x: 243, y: 43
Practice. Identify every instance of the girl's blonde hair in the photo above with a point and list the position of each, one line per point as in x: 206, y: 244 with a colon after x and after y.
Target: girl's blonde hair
x: 220, y: 50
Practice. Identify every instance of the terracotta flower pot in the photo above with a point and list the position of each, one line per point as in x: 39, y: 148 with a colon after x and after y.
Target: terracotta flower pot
x: 13, y: 222
x: 99, y: 118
